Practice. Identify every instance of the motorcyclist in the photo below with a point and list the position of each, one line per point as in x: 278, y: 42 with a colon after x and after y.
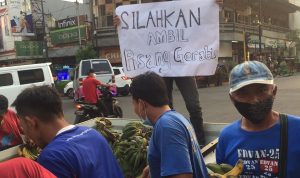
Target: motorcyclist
x: 89, y: 87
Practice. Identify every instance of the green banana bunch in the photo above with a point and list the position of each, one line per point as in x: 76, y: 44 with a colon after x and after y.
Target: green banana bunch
x: 27, y: 151
x: 225, y: 170
x: 130, y: 148
x: 104, y: 126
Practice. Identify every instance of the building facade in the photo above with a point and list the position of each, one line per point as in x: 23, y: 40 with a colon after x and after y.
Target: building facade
x: 265, y: 21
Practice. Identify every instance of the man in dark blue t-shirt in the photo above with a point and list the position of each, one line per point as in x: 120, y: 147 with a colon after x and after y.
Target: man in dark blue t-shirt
x: 255, y: 138
x: 68, y: 151
x: 173, y: 150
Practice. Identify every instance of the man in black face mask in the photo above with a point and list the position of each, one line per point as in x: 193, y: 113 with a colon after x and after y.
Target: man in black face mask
x: 255, y: 138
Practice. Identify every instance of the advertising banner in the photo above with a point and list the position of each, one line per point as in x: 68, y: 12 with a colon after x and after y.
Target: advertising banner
x: 178, y: 38
x: 20, y: 16
x: 29, y: 48
x: 67, y: 35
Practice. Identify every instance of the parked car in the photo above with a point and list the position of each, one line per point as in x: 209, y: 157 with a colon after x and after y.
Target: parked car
x: 14, y: 79
x: 122, y: 81
x: 68, y: 90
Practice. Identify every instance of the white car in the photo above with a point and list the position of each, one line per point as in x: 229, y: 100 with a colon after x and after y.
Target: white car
x: 122, y: 81
x: 68, y: 90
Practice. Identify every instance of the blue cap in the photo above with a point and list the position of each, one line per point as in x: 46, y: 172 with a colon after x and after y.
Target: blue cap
x: 249, y: 72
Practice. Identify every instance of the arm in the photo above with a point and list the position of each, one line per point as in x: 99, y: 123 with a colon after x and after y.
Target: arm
x: 172, y: 141
x: 181, y: 176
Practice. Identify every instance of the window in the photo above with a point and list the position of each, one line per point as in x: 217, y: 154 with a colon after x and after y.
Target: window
x: 86, y: 66
x: 117, y: 71
x: 101, y: 67
x: 6, y: 79
x: 31, y: 76
x: 108, y: 1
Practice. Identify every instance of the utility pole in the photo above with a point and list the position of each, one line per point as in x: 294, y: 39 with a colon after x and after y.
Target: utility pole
x: 78, y: 24
x: 44, y: 33
x: 259, y: 27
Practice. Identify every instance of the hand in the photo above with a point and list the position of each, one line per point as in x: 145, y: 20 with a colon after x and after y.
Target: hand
x: 146, y: 172
x: 116, y: 20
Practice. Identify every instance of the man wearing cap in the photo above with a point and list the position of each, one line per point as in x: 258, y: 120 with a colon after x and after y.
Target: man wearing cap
x: 10, y: 130
x: 255, y: 138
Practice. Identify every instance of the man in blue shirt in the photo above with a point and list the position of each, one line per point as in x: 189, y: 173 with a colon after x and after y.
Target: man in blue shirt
x: 173, y: 150
x: 255, y: 138
x: 68, y: 151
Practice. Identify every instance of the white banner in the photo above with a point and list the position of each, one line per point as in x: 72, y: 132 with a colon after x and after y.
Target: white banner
x: 20, y: 16
x: 178, y: 38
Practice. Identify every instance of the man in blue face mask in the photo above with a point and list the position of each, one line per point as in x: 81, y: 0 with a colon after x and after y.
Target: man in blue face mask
x: 255, y: 138
x: 173, y: 148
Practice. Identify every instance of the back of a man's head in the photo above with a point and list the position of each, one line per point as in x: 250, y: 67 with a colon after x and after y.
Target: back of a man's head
x: 3, y: 105
x: 151, y: 88
x: 42, y: 102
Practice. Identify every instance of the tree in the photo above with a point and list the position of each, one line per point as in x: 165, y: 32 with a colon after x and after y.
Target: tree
x: 85, y: 53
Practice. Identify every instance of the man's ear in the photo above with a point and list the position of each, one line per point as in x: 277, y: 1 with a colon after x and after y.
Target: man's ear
x: 275, y: 90
x: 230, y: 98
x: 31, y: 122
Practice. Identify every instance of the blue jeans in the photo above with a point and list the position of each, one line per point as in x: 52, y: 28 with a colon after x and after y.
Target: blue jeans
x: 188, y: 89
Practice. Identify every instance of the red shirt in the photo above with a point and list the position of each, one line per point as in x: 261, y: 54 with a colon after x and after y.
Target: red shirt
x: 89, y: 87
x: 10, y: 130
x: 23, y: 168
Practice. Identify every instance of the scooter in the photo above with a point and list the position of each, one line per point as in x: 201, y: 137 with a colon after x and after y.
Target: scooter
x: 107, y: 106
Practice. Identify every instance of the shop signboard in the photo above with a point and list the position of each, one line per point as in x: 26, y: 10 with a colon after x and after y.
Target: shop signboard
x: 272, y: 43
x: 70, y: 22
x: 67, y: 35
x: 254, y: 43
x: 29, y: 48
x: 112, y: 54
x: 20, y: 16
x: 281, y: 44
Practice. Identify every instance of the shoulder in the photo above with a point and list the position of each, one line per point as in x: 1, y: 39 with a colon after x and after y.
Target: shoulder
x: 293, y: 121
x: 171, y: 119
x: 11, y: 115
x: 231, y: 129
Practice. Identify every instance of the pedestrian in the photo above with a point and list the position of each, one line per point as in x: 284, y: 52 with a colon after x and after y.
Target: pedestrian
x: 23, y: 168
x: 173, y: 149
x: 256, y: 137
x: 188, y: 89
x: 67, y: 150
x: 10, y: 129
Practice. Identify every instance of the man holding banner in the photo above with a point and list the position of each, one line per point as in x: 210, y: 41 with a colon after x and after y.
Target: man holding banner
x: 177, y: 40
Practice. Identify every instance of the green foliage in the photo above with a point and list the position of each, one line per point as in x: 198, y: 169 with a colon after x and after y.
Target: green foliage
x: 60, y: 85
x: 85, y: 53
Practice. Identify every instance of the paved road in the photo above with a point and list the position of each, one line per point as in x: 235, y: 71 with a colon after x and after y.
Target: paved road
x: 215, y: 102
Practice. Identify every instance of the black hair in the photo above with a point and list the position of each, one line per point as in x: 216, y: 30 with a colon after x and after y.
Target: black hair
x: 91, y: 71
x: 42, y: 102
x: 3, y: 104
x: 151, y: 88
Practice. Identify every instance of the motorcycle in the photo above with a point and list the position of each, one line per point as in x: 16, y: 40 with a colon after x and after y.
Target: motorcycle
x: 107, y: 106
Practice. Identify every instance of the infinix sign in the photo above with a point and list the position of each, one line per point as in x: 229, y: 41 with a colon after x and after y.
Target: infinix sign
x: 70, y: 22
x: 67, y: 23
